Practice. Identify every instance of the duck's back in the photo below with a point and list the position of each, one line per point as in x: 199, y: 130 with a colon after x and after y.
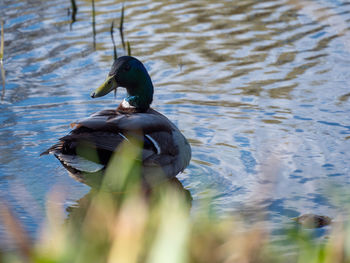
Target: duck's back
x: 88, y: 148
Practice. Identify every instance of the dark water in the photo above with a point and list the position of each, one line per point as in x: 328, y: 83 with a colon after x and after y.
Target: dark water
x: 260, y: 89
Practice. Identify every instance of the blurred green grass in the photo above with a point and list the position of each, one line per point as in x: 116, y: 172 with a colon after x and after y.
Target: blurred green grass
x: 133, y: 223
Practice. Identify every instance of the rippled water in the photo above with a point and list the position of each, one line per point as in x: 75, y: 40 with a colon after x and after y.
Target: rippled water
x: 260, y: 89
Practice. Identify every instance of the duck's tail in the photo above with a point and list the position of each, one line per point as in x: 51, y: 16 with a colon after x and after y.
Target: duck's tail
x: 54, y: 148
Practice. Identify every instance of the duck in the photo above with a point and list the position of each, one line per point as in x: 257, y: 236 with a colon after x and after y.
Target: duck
x: 165, y: 152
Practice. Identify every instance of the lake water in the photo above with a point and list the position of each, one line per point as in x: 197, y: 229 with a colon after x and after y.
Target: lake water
x: 259, y: 88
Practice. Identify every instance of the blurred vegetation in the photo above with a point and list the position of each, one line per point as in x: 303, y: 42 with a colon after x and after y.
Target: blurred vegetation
x: 129, y: 220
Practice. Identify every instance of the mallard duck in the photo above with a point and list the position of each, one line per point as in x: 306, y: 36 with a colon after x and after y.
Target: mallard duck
x: 165, y: 151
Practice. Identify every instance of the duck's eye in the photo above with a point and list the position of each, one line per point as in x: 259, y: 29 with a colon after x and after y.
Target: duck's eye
x: 109, y: 82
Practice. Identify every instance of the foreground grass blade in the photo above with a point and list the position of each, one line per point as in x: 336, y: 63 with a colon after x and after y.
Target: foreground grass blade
x: 16, y: 232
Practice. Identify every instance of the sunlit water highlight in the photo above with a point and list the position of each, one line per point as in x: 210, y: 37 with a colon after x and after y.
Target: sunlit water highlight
x: 260, y: 89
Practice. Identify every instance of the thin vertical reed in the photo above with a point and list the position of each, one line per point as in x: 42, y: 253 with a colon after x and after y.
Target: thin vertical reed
x: 129, y: 48
x: 114, y: 48
x: 121, y: 27
x: 74, y: 11
x: 93, y: 23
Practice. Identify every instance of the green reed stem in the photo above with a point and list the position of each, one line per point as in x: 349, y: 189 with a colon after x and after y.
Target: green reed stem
x: 74, y: 11
x: 129, y: 48
x: 114, y: 48
x: 93, y: 23
x: 121, y: 27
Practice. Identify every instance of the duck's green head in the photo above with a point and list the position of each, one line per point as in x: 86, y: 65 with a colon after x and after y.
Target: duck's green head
x: 130, y: 73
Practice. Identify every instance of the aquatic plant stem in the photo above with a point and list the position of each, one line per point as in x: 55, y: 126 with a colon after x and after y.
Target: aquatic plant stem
x: 74, y: 12
x: 93, y: 23
x: 121, y: 27
x: 114, y: 48
x: 129, y: 48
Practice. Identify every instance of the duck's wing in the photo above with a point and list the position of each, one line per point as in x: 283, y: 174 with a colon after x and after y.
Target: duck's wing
x: 86, y: 150
x: 164, y: 144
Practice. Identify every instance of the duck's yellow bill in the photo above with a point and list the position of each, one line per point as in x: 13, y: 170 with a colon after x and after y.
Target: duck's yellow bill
x: 107, y: 86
